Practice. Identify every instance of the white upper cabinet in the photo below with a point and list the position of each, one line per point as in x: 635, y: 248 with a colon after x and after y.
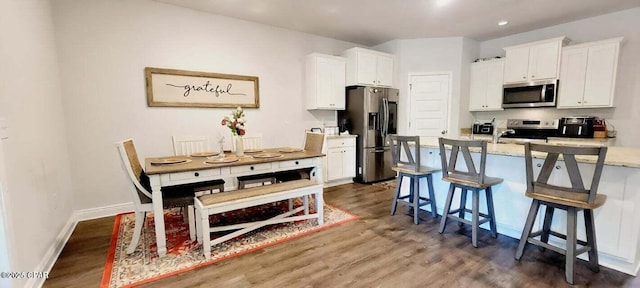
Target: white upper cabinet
x: 486, y: 80
x: 533, y: 61
x: 368, y: 67
x: 325, y: 82
x: 588, y: 74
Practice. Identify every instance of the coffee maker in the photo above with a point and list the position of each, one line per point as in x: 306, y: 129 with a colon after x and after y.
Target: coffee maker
x: 577, y: 126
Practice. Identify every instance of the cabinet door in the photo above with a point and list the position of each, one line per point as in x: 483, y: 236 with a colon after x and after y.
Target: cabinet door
x: 478, y: 86
x: 324, y: 82
x: 516, y: 65
x: 600, y: 75
x: 573, y: 69
x: 495, y: 78
x: 334, y: 164
x: 366, y: 68
x: 349, y: 162
x: 384, y: 71
x: 338, y: 84
x: 543, y: 61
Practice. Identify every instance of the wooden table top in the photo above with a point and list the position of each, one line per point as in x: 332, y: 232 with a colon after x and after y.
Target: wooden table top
x: 198, y: 163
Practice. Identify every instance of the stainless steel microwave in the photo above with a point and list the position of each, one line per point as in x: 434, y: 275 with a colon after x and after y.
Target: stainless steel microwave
x: 531, y: 94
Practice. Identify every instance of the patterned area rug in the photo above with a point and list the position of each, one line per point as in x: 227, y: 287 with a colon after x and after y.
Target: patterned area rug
x: 144, y: 265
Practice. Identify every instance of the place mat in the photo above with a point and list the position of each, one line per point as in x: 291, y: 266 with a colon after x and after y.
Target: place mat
x: 222, y: 160
x: 204, y: 154
x: 144, y: 266
x: 170, y: 161
x: 290, y: 150
x: 249, y: 151
x: 267, y: 155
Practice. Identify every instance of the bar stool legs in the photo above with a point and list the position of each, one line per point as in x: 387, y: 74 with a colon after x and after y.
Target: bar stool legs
x: 570, y: 250
x: 414, y: 197
x: 458, y: 214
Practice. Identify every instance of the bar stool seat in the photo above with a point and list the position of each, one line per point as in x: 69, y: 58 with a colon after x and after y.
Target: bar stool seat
x: 405, y: 151
x: 471, y: 179
x: 572, y: 199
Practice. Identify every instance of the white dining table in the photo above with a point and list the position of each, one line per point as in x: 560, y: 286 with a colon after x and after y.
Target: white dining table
x: 197, y: 170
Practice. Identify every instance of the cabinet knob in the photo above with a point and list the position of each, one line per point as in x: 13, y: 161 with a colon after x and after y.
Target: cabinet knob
x: 558, y: 167
x: 539, y: 165
x: 524, y: 77
x: 533, y: 76
x: 579, y: 102
x: 251, y: 168
x: 297, y: 163
x: 196, y: 174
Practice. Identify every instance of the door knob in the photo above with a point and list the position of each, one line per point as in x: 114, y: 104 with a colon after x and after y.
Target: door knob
x: 443, y: 132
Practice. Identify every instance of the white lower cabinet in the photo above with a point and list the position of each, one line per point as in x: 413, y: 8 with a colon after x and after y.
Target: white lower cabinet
x: 341, y: 159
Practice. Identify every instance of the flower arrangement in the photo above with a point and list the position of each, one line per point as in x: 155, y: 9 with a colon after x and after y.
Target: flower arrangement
x: 235, y: 122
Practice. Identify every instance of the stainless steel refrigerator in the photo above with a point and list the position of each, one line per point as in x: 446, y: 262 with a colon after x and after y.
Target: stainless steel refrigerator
x: 372, y: 115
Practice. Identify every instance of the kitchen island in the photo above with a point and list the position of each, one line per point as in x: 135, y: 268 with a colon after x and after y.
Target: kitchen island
x: 617, y: 222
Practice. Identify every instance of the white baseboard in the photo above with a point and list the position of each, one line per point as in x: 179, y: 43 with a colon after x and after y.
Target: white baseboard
x: 105, y: 211
x: 51, y: 256
x: 338, y: 182
x: 54, y: 251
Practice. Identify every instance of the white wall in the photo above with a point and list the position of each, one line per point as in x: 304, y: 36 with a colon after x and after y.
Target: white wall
x: 38, y: 187
x: 625, y: 115
x: 103, y: 47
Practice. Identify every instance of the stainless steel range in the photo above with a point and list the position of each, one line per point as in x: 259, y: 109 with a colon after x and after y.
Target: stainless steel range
x: 528, y: 130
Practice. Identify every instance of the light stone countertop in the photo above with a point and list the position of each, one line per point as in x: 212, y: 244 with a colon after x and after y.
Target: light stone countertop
x: 616, y: 156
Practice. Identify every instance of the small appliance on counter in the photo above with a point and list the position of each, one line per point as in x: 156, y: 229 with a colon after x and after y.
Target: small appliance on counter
x: 486, y: 128
x: 577, y: 126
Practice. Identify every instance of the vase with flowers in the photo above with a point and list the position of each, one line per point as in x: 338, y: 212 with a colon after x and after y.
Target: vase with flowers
x: 236, y: 122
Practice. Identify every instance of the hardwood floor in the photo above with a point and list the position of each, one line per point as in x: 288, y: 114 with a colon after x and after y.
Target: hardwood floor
x: 376, y: 250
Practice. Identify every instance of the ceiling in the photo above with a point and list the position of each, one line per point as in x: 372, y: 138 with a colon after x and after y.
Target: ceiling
x: 371, y: 22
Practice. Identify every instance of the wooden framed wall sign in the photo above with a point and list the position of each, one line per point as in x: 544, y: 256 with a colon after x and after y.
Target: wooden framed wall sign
x: 180, y: 88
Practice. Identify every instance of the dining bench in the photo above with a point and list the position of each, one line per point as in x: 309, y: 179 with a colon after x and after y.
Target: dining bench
x: 222, y: 202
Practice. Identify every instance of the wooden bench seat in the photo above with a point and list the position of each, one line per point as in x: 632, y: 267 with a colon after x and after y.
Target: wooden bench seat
x: 222, y: 202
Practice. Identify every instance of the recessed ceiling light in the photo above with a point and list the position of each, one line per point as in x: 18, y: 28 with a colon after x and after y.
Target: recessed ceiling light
x: 440, y: 3
x: 503, y: 22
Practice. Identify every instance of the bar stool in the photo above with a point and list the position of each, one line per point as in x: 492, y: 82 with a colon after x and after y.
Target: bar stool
x: 470, y: 180
x: 571, y: 199
x: 407, y: 164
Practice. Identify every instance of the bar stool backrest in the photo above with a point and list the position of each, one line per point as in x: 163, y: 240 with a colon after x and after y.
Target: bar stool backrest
x: 577, y: 190
x: 449, y: 167
x: 405, y: 152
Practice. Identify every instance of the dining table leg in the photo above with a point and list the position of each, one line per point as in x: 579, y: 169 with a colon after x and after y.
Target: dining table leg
x: 158, y: 214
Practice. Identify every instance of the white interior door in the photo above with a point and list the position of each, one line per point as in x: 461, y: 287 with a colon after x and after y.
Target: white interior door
x: 429, y: 104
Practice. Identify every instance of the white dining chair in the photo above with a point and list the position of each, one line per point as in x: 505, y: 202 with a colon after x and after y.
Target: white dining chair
x: 250, y: 142
x: 142, y: 199
x: 186, y: 145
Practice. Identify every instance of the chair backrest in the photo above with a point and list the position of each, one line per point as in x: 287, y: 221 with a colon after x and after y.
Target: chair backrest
x: 185, y: 145
x: 313, y: 142
x: 577, y: 190
x: 250, y: 141
x: 133, y: 169
x: 450, y: 168
x: 405, y: 151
